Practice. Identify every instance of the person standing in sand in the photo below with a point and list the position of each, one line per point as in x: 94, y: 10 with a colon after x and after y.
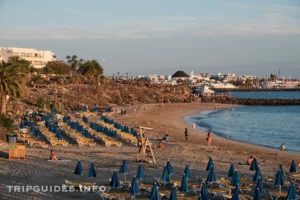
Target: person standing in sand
x: 186, y: 134
x: 194, y: 126
x: 209, y: 138
x: 282, y: 147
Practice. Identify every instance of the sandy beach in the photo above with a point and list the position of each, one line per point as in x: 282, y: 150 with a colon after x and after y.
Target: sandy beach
x: 164, y: 119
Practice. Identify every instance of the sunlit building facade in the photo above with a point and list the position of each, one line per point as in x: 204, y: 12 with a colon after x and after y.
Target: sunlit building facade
x: 37, y: 58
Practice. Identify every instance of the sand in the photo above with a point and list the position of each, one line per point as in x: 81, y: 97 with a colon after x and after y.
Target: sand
x: 164, y: 118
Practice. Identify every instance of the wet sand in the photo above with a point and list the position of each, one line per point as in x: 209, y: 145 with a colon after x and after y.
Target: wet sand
x: 166, y: 118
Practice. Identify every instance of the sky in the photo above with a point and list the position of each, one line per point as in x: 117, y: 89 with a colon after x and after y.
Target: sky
x: 256, y: 37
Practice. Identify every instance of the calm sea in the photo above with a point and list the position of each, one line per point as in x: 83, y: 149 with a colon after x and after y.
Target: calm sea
x: 267, y: 95
x: 268, y: 126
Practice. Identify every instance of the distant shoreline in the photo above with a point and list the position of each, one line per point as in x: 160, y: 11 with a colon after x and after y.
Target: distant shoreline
x: 255, y: 89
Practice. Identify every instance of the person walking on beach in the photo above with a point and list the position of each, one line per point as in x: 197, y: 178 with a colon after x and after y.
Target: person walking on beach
x: 194, y: 126
x: 209, y: 138
x: 186, y: 134
x: 282, y: 147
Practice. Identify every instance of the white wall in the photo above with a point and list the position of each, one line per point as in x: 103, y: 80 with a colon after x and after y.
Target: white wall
x: 37, y: 58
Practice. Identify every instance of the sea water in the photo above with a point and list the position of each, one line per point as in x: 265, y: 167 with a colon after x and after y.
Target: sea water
x: 267, y: 94
x: 268, y: 126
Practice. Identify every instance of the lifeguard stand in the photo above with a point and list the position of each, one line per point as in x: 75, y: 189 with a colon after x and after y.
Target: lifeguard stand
x: 144, y: 146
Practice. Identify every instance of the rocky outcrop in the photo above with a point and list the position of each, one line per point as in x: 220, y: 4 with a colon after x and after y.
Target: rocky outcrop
x: 251, y: 102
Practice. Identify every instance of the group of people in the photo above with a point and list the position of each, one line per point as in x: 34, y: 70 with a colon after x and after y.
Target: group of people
x: 166, y: 139
x: 208, y: 138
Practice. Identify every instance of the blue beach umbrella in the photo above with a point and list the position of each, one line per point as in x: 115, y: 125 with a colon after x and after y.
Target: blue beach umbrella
x: 26, y: 123
x: 134, y: 187
x: 86, y: 133
x: 187, y: 171
x: 209, y: 164
x: 33, y: 115
x: 254, y: 165
x: 281, y: 169
x: 36, y: 133
x: 260, y: 186
x: 154, y: 195
x: 235, y: 195
x: 279, y: 181
x: 58, y: 135
x: 173, y: 195
x: 92, y: 172
x: 211, y: 177
x: 165, y: 176
x: 114, y: 182
x: 79, y: 169
x: 184, y: 184
x: 124, y: 168
x: 293, y: 168
x: 231, y: 170
x: 141, y: 173
x: 170, y: 168
x: 256, y: 176
x: 22, y: 124
x: 32, y: 129
x: 257, y: 194
x: 204, y: 194
x: 291, y: 193
x: 235, y: 180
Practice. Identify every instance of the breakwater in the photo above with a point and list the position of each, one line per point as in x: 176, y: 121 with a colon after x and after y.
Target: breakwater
x: 250, y: 102
x: 254, y: 89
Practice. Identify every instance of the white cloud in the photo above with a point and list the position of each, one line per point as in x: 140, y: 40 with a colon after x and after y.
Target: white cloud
x: 275, y: 20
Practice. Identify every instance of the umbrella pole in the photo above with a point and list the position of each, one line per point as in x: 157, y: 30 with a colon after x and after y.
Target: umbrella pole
x: 280, y: 189
x: 125, y: 177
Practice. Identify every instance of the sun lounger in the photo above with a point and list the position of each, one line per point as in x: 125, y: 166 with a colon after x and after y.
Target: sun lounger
x: 55, y: 142
x: 246, y: 182
x: 33, y: 142
x: 145, y: 187
x: 243, y: 189
x: 83, y: 141
x: 162, y: 183
x: 76, y: 136
x: 270, y: 182
x: 218, y: 192
x: 79, y: 186
x: 277, y: 195
x: 242, y: 196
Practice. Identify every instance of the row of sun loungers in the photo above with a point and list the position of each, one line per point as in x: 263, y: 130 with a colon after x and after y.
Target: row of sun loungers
x: 51, y: 137
x: 76, y: 136
x: 27, y: 138
x: 125, y: 136
x: 108, y: 141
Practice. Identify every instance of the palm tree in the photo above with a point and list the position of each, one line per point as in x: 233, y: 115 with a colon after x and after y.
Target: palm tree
x: 73, y: 62
x: 20, y: 61
x: 12, y: 81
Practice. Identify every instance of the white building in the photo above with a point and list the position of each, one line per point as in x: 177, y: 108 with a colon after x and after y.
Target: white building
x: 37, y: 58
x: 223, y: 85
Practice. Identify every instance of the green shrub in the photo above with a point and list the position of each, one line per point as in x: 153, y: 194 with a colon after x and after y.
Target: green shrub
x: 7, y: 123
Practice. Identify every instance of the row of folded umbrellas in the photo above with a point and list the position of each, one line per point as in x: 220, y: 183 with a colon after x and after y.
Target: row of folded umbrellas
x: 117, y: 125
x: 54, y: 129
x: 211, y: 177
x: 95, y: 109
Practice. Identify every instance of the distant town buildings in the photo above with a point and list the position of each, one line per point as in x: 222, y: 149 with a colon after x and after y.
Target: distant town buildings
x: 37, y: 58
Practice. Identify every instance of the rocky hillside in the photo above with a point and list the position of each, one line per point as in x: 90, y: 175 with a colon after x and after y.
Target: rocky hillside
x: 122, y: 93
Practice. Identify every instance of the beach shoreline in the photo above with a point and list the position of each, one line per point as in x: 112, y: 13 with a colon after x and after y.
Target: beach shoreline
x: 164, y: 119
x: 196, y: 118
